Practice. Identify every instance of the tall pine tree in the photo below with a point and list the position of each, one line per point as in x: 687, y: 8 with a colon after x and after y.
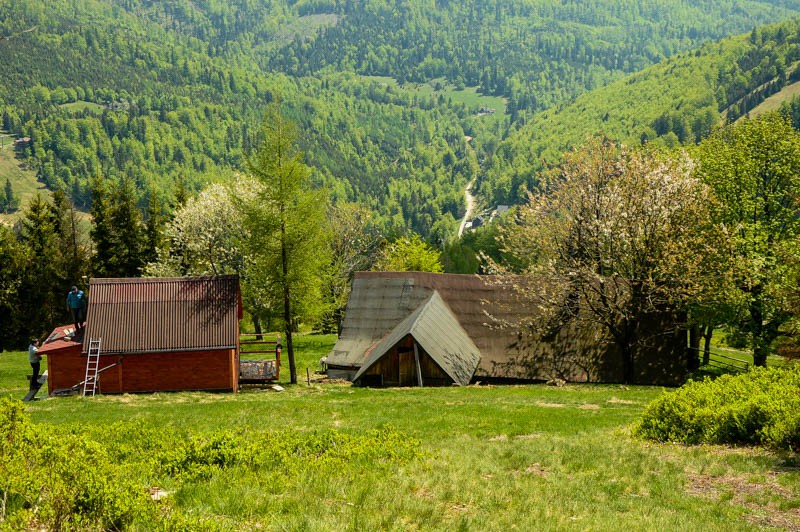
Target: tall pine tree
x: 117, y: 232
x: 287, y: 227
x: 73, y: 246
x: 12, y: 269
x: 41, y: 284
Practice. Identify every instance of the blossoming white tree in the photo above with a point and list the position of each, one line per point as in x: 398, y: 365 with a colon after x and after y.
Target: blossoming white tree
x: 206, y: 233
x: 619, y: 235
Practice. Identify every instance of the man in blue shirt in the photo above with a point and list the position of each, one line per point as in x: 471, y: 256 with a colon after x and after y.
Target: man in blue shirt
x: 76, y: 303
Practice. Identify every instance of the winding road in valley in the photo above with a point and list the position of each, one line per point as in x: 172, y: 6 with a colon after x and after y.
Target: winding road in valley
x: 470, y: 207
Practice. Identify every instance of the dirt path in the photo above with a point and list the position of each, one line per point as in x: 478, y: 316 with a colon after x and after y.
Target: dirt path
x: 470, y: 207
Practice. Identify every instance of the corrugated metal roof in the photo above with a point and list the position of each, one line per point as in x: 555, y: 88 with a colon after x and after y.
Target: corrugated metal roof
x: 434, y: 327
x: 163, y: 314
x: 496, y: 317
x: 375, y: 307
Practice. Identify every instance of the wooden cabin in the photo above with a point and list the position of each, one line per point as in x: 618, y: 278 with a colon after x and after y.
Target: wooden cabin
x: 428, y: 329
x: 156, y: 334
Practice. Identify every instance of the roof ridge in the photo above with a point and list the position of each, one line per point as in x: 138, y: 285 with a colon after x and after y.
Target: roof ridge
x: 155, y: 280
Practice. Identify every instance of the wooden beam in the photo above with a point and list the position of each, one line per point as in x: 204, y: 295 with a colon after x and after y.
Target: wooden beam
x: 419, y: 369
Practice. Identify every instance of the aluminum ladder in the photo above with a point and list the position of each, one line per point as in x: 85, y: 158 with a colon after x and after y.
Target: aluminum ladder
x: 92, y: 364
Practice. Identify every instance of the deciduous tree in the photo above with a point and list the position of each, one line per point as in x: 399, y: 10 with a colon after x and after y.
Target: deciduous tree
x: 754, y: 168
x: 207, y: 236
x: 204, y: 236
x: 409, y: 254
x: 354, y: 241
x: 615, y: 236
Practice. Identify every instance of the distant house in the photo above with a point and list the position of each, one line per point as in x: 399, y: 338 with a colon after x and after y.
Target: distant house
x: 156, y: 334
x: 412, y: 329
x: 117, y: 106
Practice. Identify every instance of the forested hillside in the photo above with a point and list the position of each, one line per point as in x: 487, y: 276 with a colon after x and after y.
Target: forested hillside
x: 676, y: 102
x: 537, y: 53
x: 107, y: 92
x: 170, y: 93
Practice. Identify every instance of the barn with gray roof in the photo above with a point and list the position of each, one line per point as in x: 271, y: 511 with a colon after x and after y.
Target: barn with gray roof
x: 426, y: 329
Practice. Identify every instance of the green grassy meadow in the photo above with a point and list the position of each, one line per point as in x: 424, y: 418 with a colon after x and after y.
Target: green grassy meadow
x: 529, y: 457
x: 775, y: 101
x: 81, y: 105
x: 469, y: 96
x: 22, y: 179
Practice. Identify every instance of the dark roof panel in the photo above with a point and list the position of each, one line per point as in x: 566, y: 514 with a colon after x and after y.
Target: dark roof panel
x: 163, y: 314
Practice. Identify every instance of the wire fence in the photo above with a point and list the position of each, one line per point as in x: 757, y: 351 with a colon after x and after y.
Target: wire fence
x: 722, y: 361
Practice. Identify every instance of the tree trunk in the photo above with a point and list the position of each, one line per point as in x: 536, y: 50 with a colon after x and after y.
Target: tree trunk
x: 287, y: 331
x: 760, y: 341
x: 707, y: 333
x: 287, y: 308
x: 693, y: 359
x: 625, y: 341
x: 760, y: 352
x: 628, y: 370
x: 257, y: 327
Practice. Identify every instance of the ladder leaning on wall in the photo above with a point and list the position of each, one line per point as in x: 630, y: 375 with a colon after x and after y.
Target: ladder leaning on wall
x: 92, y: 364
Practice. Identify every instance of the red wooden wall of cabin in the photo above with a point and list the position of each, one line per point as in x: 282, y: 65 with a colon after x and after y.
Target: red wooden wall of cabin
x: 62, y: 368
x: 149, y: 372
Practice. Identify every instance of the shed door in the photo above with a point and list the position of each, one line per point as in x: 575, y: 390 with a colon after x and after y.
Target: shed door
x: 407, y: 368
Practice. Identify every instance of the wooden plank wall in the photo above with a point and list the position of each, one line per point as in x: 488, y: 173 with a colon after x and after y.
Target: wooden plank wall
x: 63, y: 366
x: 399, y: 368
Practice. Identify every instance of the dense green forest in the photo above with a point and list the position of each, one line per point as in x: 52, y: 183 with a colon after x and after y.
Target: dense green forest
x: 536, y: 53
x: 169, y: 94
x: 106, y: 91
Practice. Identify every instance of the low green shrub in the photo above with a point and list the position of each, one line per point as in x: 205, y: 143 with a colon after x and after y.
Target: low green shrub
x: 198, y: 458
x: 78, y: 477
x: 759, y: 407
x: 60, y: 480
x: 291, y: 452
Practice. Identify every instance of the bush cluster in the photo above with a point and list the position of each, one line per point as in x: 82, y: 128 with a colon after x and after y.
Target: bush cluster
x: 759, y: 407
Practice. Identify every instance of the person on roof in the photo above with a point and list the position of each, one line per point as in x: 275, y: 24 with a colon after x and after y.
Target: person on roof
x: 34, y: 358
x: 76, y: 303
